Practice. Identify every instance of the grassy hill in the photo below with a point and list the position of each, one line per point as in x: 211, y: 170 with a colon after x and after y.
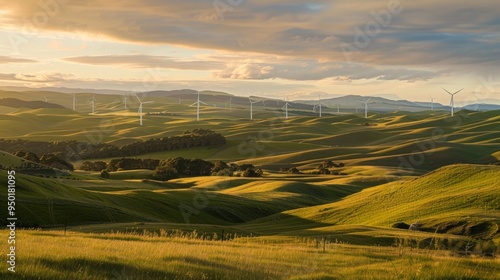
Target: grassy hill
x: 303, y: 141
x: 461, y: 199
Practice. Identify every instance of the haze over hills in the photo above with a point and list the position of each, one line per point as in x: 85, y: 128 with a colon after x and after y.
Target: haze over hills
x: 341, y: 103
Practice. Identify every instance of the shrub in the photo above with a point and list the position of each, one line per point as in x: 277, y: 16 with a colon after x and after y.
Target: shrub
x: 163, y: 173
x: 105, y: 174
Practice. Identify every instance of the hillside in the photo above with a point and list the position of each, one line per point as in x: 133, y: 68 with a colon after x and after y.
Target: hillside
x: 461, y: 199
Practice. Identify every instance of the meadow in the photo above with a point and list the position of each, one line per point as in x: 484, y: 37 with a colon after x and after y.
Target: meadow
x: 53, y: 255
x: 398, y: 169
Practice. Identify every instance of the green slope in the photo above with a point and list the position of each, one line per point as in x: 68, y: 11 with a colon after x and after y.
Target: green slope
x: 446, y: 199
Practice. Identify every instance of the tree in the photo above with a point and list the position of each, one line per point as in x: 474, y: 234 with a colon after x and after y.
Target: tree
x: 219, y: 165
x: 163, y: 173
x: 105, y: 174
x: 252, y: 173
x: 20, y: 154
x: 324, y: 171
x: 31, y: 157
x: 54, y: 161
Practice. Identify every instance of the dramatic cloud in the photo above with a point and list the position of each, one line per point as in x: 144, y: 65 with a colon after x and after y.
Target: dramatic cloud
x: 378, y: 32
x: 363, y: 46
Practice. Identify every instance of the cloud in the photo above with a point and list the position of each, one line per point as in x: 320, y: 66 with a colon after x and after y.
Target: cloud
x: 8, y: 59
x: 146, y: 61
x: 313, y: 70
x: 451, y: 32
x: 36, y: 78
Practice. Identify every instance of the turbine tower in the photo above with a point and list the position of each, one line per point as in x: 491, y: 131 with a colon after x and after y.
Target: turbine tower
x: 319, y: 105
x: 140, y: 107
x: 366, y: 106
x: 197, y: 103
x: 74, y: 101
x: 432, y: 103
x: 125, y: 101
x: 251, y: 106
x: 46, y: 100
x: 286, y: 108
x: 92, y: 103
x: 452, y: 102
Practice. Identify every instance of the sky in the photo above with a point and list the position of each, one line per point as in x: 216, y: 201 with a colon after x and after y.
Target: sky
x: 404, y: 49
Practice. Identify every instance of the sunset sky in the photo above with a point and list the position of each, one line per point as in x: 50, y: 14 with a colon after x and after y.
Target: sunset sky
x: 399, y: 49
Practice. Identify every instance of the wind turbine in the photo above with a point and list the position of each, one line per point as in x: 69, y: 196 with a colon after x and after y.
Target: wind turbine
x: 432, y: 103
x: 140, y: 107
x: 452, y: 103
x: 366, y: 106
x: 74, y: 101
x: 197, y: 103
x: 319, y: 105
x: 46, y: 100
x: 125, y: 101
x: 230, y: 108
x: 92, y: 103
x: 251, y: 106
x: 180, y: 100
x: 477, y: 108
x: 286, y: 108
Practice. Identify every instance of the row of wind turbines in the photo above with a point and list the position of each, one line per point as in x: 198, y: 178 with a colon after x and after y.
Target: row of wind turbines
x: 317, y: 108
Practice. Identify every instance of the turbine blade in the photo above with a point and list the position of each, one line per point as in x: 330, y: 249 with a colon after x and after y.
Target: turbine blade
x: 446, y: 91
x: 458, y: 91
x: 135, y: 94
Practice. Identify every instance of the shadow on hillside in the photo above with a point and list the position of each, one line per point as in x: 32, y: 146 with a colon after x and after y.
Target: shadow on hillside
x: 214, y: 269
x: 281, y: 223
x: 100, y: 268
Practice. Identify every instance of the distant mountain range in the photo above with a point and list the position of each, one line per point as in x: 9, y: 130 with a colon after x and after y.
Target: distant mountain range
x: 17, y: 103
x: 340, y: 103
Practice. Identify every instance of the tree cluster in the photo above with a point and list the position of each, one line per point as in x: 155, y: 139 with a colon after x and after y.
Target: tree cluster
x: 325, y: 168
x: 53, y: 160
x: 174, y: 167
x: 119, y: 164
x: 288, y: 170
x: 74, y: 150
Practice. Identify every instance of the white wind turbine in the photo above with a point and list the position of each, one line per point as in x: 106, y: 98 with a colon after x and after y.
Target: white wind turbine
x: 432, y: 103
x: 286, y: 108
x: 180, y: 100
x: 197, y: 103
x: 92, y: 103
x: 319, y: 105
x: 125, y: 101
x: 140, y: 107
x: 366, y: 106
x: 452, y: 102
x: 46, y: 100
x: 251, y: 106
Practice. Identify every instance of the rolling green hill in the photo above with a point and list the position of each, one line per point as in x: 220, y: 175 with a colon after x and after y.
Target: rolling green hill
x: 462, y: 199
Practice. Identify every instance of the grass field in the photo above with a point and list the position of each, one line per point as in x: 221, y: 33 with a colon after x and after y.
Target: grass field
x: 400, y: 167
x: 51, y: 255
